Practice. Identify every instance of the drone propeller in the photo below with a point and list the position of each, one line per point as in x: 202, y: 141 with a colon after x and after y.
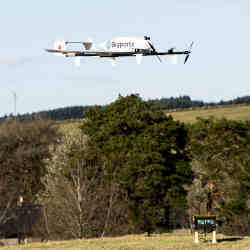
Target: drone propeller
x: 154, y: 50
x: 186, y: 58
x: 188, y: 52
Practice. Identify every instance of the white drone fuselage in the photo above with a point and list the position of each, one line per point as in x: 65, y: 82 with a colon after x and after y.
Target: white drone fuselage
x: 114, y: 48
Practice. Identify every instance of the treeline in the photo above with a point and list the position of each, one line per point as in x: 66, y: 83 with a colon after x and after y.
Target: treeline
x: 128, y: 168
x: 186, y: 102
x: 60, y: 114
x: 67, y: 113
x: 78, y: 112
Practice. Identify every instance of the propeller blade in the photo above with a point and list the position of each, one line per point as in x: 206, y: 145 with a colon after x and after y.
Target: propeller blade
x: 154, y: 50
x: 186, y: 58
x: 152, y: 46
x: 191, y: 46
x: 159, y: 58
x: 188, y: 52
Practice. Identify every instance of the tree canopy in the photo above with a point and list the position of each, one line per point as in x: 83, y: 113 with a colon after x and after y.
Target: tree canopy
x: 143, y: 150
x: 221, y: 162
x: 23, y: 151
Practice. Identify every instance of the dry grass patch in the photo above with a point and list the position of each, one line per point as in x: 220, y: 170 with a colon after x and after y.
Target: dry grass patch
x: 231, y: 112
x: 142, y: 242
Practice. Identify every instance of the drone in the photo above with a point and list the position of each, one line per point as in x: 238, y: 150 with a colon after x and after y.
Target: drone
x: 115, y: 48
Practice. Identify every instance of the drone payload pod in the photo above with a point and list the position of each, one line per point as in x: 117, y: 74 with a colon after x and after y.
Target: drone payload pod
x: 139, y: 58
x: 174, y: 59
x: 77, y: 61
x: 112, y: 61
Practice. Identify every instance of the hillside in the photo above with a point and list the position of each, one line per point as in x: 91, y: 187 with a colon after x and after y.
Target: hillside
x: 232, y: 112
x: 172, y: 103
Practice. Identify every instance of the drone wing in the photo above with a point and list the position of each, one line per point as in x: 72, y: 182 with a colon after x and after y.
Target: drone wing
x: 63, y: 52
x: 72, y: 53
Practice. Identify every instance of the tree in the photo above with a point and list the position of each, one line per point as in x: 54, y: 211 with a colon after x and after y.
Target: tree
x: 76, y: 198
x: 142, y: 150
x: 23, y: 150
x: 221, y: 162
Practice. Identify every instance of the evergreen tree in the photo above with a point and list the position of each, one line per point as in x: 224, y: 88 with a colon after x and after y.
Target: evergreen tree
x: 142, y: 150
x: 23, y: 150
x: 24, y: 147
x: 221, y: 162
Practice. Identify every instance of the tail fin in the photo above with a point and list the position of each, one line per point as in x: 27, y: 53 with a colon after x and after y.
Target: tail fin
x: 60, y: 46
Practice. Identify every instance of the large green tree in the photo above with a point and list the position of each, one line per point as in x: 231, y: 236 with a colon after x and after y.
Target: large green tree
x: 221, y: 162
x: 24, y: 147
x: 142, y: 150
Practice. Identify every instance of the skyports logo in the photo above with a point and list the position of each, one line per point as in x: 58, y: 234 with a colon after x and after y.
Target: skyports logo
x: 119, y: 45
x: 123, y: 45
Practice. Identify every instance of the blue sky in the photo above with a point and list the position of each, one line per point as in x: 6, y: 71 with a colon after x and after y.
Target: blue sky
x: 219, y: 67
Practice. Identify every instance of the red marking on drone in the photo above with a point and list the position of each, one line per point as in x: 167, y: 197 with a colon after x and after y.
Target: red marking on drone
x: 60, y: 47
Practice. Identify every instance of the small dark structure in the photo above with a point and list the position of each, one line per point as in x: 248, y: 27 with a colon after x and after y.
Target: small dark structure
x: 21, y: 221
x: 204, y: 225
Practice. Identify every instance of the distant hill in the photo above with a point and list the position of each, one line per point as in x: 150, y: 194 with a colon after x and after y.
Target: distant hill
x: 172, y: 103
x: 232, y: 112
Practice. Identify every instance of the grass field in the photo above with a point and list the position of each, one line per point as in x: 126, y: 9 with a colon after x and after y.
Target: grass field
x: 236, y: 112
x: 142, y: 242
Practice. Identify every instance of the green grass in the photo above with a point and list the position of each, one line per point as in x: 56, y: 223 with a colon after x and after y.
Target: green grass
x: 142, y: 242
x: 236, y: 112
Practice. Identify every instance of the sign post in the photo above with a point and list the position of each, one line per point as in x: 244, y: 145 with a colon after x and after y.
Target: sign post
x: 196, y: 237
x: 204, y: 224
x: 214, y: 237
